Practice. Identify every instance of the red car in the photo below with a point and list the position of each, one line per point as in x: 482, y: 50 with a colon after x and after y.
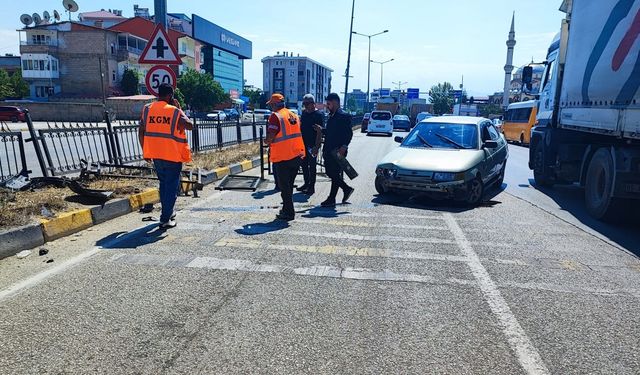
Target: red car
x: 14, y: 114
x: 365, y: 122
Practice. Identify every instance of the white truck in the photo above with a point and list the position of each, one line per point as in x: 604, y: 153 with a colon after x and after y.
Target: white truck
x: 588, y: 124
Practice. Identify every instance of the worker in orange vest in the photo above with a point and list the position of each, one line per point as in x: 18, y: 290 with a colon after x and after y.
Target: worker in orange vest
x: 286, y: 151
x: 163, y: 139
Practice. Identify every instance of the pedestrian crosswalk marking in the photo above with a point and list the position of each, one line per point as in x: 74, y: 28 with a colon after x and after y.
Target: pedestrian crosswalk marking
x: 337, y: 250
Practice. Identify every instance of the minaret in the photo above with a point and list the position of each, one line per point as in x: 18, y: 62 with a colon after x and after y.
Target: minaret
x: 508, y: 68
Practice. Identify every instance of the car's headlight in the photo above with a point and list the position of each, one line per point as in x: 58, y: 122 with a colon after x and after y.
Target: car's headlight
x: 447, y: 176
x: 387, y: 172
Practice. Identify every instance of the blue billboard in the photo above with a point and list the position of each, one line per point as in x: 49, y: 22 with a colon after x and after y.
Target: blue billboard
x: 385, y: 92
x: 413, y: 93
x: 221, y: 38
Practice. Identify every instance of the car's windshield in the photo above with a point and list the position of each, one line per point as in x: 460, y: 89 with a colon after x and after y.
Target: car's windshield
x: 443, y: 135
x: 381, y: 116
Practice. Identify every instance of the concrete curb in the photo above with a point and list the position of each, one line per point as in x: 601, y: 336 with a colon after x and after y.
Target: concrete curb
x: 14, y: 240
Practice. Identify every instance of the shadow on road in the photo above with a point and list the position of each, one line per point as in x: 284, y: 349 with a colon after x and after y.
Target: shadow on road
x: 571, y: 199
x: 132, y: 240
x: 262, y: 228
x: 424, y: 202
x: 264, y: 193
x: 322, y: 212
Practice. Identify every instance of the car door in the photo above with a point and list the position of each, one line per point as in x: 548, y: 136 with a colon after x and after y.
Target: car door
x: 499, y: 154
x: 489, y: 164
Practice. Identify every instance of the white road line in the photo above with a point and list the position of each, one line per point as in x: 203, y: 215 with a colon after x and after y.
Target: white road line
x: 38, y: 278
x: 526, y: 353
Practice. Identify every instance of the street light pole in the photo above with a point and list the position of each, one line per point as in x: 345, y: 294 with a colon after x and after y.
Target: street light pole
x: 381, y: 70
x: 369, y: 59
x: 346, y: 78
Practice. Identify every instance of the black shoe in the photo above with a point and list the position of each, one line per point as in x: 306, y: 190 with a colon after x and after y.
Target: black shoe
x: 347, y: 194
x: 328, y: 203
x: 303, y: 187
x: 284, y: 217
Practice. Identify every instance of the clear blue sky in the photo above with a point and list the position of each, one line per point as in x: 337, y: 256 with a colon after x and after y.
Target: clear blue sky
x: 431, y: 40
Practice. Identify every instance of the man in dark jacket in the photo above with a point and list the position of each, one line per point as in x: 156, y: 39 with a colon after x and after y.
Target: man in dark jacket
x: 312, y: 139
x: 338, y: 134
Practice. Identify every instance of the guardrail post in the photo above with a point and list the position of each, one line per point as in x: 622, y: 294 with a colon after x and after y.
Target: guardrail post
x: 195, y: 133
x: 113, y: 150
x: 254, y: 127
x: 219, y: 133
x: 36, y: 145
x: 261, y: 151
x: 238, y: 131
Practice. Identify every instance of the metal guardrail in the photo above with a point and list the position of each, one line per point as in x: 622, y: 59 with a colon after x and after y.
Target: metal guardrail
x: 12, y: 155
x: 64, y: 148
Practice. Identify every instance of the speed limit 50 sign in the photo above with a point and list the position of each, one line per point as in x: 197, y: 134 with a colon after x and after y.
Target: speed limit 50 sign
x: 158, y: 75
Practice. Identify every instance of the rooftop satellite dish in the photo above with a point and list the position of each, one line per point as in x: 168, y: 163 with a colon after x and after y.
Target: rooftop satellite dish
x: 46, y: 16
x: 26, y: 19
x: 56, y: 15
x: 37, y: 19
x: 70, y: 5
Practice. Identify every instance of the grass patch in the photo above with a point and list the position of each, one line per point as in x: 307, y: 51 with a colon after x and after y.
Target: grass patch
x: 226, y: 156
x: 22, y: 207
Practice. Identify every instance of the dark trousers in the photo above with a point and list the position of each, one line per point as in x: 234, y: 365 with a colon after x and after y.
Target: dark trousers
x: 286, y: 172
x: 169, y: 175
x: 334, y: 172
x: 309, y: 170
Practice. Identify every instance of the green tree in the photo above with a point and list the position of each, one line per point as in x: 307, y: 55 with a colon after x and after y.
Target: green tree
x: 130, y: 82
x: 254, y: 96
x: 177, y: 94
x: 6, y: 89
x: 441, y: 97
x: 352, y: 105
x: 200, y: 91
x: 19, y: 85
x: 490, y: 109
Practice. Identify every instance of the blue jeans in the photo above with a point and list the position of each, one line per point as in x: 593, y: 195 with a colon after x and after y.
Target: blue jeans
x: 169, y: 175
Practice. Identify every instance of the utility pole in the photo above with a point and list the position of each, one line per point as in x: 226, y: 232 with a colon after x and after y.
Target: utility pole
x: 160, y: 12
x: 346, y: 79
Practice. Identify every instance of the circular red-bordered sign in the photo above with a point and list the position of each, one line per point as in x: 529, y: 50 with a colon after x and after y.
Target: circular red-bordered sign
x: 158, y: 75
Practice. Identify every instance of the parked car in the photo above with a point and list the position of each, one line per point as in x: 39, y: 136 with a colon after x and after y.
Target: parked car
x: 422, y: 115
x: 401, y: 122
x: 453, y: 157
x: 14, y: 114
x: 231, y: 113
x: 217, y: 115
x: 365, y: 122
x: 498, y: 124
x: 380, y: 122
x: 265, y: 113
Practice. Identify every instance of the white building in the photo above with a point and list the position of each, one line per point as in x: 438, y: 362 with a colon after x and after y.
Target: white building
x: 295, y: 76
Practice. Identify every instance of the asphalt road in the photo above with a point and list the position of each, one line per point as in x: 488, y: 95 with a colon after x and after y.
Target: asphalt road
x: 522, y: 284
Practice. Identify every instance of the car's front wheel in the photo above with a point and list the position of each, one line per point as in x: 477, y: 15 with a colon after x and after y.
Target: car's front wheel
x: 475, y: 190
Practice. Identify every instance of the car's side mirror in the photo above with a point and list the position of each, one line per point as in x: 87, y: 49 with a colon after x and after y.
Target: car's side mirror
x: 490, y: 144
x: 398, y: 139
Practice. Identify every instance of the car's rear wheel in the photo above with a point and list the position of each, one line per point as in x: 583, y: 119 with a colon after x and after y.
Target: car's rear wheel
x: 475, y: 190
x: 379, y: 187
x: 14, y: 118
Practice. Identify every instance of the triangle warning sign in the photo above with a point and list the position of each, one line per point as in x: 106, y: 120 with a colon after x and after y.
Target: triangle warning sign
x: 159, y: 49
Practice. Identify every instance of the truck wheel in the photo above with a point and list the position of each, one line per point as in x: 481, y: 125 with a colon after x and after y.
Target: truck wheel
x: 598, y: 187
x: 379, y: 187
x: 539, y: 175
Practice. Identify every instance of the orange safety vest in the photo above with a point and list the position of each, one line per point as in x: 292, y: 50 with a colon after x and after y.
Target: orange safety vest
x: 288, y: 142
x: 162, y: 137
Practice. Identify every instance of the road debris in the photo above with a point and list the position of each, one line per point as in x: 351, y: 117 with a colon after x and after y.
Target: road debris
x: 23, y: 254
